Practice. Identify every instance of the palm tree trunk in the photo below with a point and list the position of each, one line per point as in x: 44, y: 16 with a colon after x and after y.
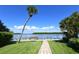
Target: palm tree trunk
x: 23, y: 28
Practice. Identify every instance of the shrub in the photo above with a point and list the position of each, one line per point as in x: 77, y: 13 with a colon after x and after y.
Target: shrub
x: 74, y: 43
x: 74, y: 40
x: 65, y: 39
x: 5, y: 38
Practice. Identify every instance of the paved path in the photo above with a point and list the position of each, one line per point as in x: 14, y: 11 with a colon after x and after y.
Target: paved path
x: 45, y: 49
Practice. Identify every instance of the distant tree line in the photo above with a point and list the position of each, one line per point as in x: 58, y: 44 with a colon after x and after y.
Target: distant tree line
x: 47, y: 33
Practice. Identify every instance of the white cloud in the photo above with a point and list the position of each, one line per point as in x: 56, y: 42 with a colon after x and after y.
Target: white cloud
x: 35, y: 29
x: 26, y: 27
x: 49, y: 27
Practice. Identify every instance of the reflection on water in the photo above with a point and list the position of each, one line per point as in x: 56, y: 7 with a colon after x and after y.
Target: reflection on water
x: 39, y: 36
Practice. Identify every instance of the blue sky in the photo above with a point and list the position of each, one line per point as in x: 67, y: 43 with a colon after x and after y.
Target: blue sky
x: 47, y: 18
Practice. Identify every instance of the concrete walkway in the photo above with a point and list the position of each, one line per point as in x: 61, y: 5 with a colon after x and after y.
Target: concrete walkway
x: 45, y: 49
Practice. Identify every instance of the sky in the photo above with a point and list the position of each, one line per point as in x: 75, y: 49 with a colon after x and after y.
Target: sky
x: 46, y: 20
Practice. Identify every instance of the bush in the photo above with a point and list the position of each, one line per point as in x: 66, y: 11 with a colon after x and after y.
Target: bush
x: 5, y: 38
x: 74, y: 41
x: 65, y: 39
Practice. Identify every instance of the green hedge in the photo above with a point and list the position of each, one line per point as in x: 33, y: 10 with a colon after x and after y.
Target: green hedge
x: 5, y: 38
x: 74, y: 43
x: 74, y: 40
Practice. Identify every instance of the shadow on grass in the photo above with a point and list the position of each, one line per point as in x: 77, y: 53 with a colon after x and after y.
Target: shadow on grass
x: 75, y: 47
x: 12, y: 42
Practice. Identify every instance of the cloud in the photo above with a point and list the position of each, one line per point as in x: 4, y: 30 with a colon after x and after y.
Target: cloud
x: 31, y: 29
x: 26, y: 27
x: 49, y: 27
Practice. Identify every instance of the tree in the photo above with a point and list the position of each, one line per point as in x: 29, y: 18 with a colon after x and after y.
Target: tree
x: 3, y: 28
x: 70, y: 25
x: 31, y: 11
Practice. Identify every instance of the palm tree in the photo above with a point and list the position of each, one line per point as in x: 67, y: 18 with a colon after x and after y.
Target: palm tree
x: 31, y: 11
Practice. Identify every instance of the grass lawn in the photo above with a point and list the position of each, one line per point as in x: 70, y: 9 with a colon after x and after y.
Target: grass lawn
x: 60, y: 48
x: 28, y: 47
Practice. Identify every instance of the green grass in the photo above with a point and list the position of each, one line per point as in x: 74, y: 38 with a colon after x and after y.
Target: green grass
x: 29, y: 47
x: 60, y: 48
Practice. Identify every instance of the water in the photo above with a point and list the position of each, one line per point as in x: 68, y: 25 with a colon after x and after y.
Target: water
x: 39, y: 36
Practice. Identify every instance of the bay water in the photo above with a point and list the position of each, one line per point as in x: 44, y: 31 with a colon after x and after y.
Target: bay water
x: 39, y: 36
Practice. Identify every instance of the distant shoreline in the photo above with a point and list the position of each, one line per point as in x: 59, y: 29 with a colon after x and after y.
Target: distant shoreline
x: 42, y: 33
x: 47, y: 33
